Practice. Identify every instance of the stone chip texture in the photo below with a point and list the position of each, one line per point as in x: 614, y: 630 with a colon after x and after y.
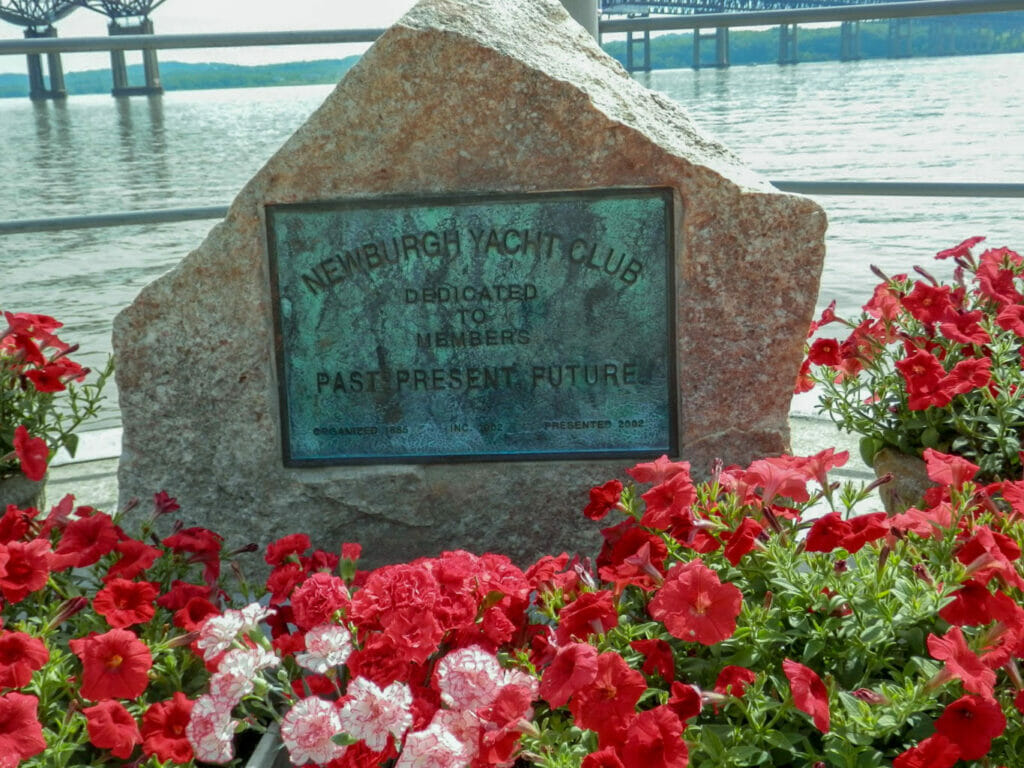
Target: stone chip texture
x: 464, y: 96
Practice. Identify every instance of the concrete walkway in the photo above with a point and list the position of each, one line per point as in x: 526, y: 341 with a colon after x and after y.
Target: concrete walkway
x: 92, y: 475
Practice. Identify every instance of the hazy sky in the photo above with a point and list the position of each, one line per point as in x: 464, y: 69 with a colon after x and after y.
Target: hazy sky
x: 195, y: 16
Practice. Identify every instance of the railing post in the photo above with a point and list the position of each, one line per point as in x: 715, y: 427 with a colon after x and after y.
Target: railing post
x: 585, y: 14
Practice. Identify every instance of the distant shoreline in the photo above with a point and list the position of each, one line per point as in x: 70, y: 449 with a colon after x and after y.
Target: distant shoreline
x: 941, y: 36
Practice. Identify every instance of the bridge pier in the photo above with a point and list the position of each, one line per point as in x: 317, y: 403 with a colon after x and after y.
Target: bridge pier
x: 849, y: 41
x: 787, y: 44
x: 899, y: 38
x: 119, y: 69
x: 37, y: 89
x: 722, y: 47
x: 644, y: 40
x: 942, y: 36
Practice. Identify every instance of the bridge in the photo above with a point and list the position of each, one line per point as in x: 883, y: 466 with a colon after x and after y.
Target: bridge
x: 849, y: 31
x: 127, y: 17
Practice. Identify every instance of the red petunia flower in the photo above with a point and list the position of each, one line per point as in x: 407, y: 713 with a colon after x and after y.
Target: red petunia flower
x: 669, y: 501
x: 136, y: 558
x: 1011, y: 318
x: 809, y: 693
x: 961, y: 250
x: 603, y: 499
x: 778, y: 476
x: 928, y: 303
x: 946, y: 469
x: 191, y: 616
x: 971, y: 605
x: 657, y: 658
x: 825, y: 351
x: 659, y: 470
x: 115, y: 665
x: 112, y: 727
x: 32, y: 453
x: 603, y: 758
x: 574, y: 666
x: 636, y: 557
x: 654, y: 740
x: 27, y: 568
x: 85, y: 540
x: 204, y: 547
x: 124, y: 603
x: 971, y: 722
x: 695, y: 606
x: 742, y: 540
x: 163, y: 730
x: 21, y: 734
x: 934, y: 752
x: 924, y: 377
x: 608, y: 705
x: 733, y: 680
x: 685, y: 700
x: 20, y: 656
x: 590, y: 613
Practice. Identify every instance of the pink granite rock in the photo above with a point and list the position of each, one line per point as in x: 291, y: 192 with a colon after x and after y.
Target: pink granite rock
x: 464, y: 96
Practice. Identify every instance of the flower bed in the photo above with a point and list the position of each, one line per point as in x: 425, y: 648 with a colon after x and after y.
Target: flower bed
x: 759, y: 617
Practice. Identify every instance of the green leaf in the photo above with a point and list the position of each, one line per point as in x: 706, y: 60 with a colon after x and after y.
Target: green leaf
x: 71, y: 444
x: 749, y: 756
x: 869, y: 447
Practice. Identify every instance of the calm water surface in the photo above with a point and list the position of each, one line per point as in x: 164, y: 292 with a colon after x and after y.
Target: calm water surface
x: 950, y: 119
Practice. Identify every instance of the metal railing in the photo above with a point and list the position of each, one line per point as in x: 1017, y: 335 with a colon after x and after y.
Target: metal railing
x: 826, y: 188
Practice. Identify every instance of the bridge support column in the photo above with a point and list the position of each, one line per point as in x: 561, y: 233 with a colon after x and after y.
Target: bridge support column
x: 150, y: 67
x: 644, y: 41
x: 899, y: 38
x: 722, y: 47
x: 37, y: 89
x: 787, y: 44
x: 696, y: 49
x: 849, y: 41
x: 942, y: 36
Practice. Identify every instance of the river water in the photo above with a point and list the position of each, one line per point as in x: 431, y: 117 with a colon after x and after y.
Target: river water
x: 938, y: 119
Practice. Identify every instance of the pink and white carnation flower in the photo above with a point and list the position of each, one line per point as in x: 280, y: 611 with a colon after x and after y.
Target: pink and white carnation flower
x: 371, y: 714
x: 236, y: 674
x: 211, y: 730
x: 434, y: 747
x: 308, y: 731
x: 327, y: 646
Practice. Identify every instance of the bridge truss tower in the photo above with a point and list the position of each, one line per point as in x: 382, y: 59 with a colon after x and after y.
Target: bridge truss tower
x: 38, y: 18
x: 130, y: 17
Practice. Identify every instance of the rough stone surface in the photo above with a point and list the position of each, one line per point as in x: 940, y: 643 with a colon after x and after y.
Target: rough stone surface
x: 469, y: 96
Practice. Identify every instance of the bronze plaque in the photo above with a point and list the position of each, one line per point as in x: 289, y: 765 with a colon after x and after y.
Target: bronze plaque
x: 507, y: 327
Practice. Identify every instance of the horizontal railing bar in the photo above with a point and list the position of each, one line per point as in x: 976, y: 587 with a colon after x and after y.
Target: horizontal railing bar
x: 865, y: 188
x: 914, y: 9
x: 166, y: 42
x: 123, y: 218
x: 901, y: 188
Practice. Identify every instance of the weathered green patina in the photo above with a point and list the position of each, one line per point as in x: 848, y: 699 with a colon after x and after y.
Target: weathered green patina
x: 504, y: 327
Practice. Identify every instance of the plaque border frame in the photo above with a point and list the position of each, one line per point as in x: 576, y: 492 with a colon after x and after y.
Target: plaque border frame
x: 668, y: 194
